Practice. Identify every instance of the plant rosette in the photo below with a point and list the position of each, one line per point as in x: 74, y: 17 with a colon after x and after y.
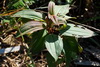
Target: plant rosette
x: 53, y: 32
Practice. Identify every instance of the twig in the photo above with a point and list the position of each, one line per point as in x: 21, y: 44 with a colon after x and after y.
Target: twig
x: 41, y: 11
x: 40, y: 6
x: 4, y: 4
x: 85, y: 25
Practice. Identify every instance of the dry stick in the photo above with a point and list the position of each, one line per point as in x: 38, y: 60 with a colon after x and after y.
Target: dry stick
x: 4, y: 4
x: 10, y: 13
x: 41, y: 11
x: 41, y: 6
x: 85, y: 25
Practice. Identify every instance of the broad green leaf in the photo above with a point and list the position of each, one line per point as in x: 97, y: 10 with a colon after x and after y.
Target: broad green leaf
x: 77, y: 31
x: 61, y: 9
x: 38, y: 40
x: 50, y: 60
x: 67, y: 53
x: 31, y: 24
x: 29, y: 31
x: 71, y: 43
x: 30, y: 14
x: 67, y: 58
x: 54, y: 45
x: 30, y: 27
x: 70, y: 48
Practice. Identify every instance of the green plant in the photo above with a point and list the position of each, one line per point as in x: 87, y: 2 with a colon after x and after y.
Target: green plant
x: 15, y: 4
x: 53, y: 32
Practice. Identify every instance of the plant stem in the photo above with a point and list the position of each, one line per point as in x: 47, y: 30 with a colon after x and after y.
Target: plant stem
x: 85, y: 25
x: 19, y: 30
